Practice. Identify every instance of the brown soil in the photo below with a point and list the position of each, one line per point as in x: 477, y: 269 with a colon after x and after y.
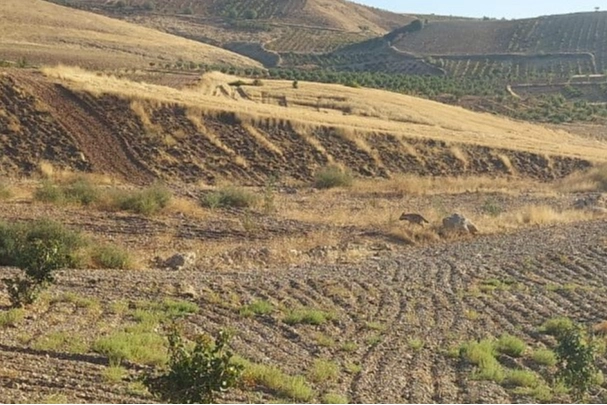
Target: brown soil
x: 426, y: 293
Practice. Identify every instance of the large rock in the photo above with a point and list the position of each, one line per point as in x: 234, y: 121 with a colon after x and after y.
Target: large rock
x: 180, y: 261
x: 459, y: 223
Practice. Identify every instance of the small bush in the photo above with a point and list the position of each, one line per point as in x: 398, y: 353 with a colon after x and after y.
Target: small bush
x: 576, y: 359
x: 82, y: 192
x: 259, y: 307
x: 233, y: 197
x: 196, y: 374
x: 49, y: 193
x: 148, y: 201
x: 11, y: 317
x: 510, y: 345
x: 112, y: 257
x: 38, y: 248
x: 333, y: 176
x: 308, y: 316
x: 349, y: 347
x: 323, y: 370
x: 556, y: 326
x: 545, y: 357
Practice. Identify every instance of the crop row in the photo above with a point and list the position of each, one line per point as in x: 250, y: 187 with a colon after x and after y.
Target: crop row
x: 517, y: 68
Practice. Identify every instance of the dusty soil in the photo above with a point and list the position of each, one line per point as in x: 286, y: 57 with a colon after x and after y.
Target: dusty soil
x: 430, y: 292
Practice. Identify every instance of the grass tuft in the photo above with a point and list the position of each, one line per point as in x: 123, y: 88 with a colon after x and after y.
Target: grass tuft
x: 334, y: 398
x: 545, y: 357
x: 112, y: 257
x: 556, y: 326
x: 510, y: 345
x: 308, y: 316
x: 259, y: 308
x: 323, y: 371
x: 230, y: 197
x: 11, y: 317
x: 333, y: 176
x: 143, y: 347
x: 521, y: 378
x: 295, y: 388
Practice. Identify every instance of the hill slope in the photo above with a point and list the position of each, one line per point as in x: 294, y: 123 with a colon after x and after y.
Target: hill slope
x: 212, y: 130
x: 47, y: 33
x: 336, y: 14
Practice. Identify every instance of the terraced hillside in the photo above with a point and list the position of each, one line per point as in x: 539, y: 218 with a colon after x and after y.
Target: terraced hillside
x: 66, y: 35
x: 568, y: 44
x: 211, y: 130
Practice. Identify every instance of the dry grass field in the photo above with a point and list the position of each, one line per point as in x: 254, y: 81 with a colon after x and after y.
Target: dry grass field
x: 66, y: 35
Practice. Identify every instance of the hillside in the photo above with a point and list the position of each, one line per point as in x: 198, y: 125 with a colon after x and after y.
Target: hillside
x: 558, y: 45
x: 282, y: 26
x: 41, y: 32
x: 337, y: 15
x: 210, y: 130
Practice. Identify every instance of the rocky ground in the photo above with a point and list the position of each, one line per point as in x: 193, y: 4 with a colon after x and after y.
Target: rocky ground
x: 396, y: 310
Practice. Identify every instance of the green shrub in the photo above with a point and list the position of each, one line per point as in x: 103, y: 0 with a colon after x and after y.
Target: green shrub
x: 38, y: 248
x: 196, y: 374
x: 231, y: 196
x: 576, y: 360
x: 556, y: 326
x: 81, y: 192
x: 49, y: 193
x: 545, y: 357
x: 308, y: 316
x: 333, y: 176
x: 148, y: 201
x: 112, y: 257
x: 510, y: 345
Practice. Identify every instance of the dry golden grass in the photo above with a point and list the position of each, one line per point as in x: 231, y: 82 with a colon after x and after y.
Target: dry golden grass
x: 384, y: 112
x: 48, y: 171
x: 45, y: 32
x: 425, y: 185
x: 531, y: 215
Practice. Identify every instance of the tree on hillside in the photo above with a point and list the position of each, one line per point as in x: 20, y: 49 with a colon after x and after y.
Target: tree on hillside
x: 416, y: 25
